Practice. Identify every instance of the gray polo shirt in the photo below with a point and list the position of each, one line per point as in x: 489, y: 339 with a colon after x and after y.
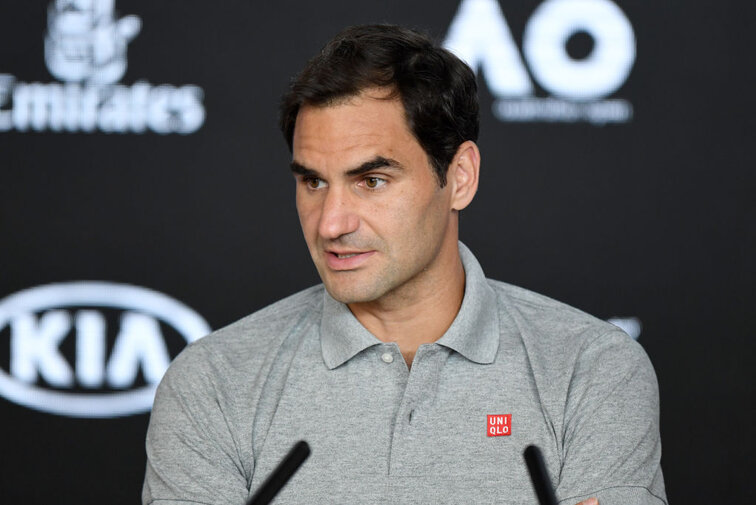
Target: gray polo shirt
x: 515, y: 368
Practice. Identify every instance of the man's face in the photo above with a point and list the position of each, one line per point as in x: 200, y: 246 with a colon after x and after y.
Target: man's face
x: 373, y: 214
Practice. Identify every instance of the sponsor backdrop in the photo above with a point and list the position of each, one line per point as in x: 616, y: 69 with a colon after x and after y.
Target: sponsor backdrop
x: 145, y: 199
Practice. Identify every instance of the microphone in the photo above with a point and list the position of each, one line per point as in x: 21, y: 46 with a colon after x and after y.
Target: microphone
x: 281, y: 475
x: 537, y: 469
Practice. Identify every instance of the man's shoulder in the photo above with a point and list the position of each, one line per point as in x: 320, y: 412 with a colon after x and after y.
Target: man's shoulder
x: 259, y: 333
x: 576, y: 359
x: 546, y: 313
x: 280, y: 313
x: 558, y: 334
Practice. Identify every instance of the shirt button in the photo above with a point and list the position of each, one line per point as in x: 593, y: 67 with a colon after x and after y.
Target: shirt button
x: 387, y: 357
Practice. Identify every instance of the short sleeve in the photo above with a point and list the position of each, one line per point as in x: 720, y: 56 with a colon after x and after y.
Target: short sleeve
x: 193, y: 454
x: 612, y: 448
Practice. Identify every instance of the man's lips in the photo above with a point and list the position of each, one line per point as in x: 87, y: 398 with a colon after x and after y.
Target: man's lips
x: 347, y: 260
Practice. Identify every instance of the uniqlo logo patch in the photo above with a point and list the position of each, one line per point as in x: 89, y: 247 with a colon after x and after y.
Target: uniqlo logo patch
x: 499, y: 425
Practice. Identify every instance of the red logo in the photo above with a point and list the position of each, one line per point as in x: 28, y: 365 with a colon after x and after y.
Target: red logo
x: 499, y: 425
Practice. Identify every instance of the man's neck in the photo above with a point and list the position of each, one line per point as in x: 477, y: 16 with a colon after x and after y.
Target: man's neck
x: 418, y: 315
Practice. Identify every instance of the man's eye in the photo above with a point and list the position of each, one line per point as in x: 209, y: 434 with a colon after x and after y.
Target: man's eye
x: 374, y: 182
x: 314, y: 182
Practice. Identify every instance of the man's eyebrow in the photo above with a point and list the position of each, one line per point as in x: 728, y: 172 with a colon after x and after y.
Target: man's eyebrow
x: 368, y: 166
x: 300, y: 169
x: 377, y: 162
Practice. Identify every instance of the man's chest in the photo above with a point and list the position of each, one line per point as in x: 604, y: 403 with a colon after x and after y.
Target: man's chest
x: 448, y: 431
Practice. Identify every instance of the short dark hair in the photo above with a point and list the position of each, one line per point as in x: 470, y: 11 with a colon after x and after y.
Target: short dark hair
x: 437, y: 89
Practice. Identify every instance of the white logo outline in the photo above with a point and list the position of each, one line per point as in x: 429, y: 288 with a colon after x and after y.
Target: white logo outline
x: 187, y: 322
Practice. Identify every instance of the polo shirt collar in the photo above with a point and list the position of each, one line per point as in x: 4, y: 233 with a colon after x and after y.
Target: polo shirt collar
x: 474, y: 333
x: 342, y: 336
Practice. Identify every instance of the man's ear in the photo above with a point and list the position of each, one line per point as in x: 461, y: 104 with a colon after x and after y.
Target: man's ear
x: 463, y: 174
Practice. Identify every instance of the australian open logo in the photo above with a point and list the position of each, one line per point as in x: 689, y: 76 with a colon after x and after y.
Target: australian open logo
x: 90, y: 349
x: 86, y: 47
x: 577, y: 53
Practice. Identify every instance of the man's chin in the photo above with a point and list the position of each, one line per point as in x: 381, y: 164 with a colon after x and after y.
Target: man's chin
x: 348, y: 296
x: 352, y: 293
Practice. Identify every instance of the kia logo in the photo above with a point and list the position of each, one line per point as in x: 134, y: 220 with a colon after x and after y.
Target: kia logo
x: 107, y: 377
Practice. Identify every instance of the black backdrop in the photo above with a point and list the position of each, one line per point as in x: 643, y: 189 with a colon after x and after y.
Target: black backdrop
x: 649, y: 219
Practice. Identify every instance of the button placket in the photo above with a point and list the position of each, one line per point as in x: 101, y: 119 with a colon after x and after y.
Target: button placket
x: 419, y: 384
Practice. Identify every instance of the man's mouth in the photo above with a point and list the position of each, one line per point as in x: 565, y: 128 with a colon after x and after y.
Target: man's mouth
x: 346, y: 255
x: 347, y: 260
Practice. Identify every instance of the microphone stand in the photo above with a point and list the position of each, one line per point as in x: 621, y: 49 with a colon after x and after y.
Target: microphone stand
x: 281, y: 475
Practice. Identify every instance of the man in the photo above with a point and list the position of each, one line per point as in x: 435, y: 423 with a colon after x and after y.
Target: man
x: 413, y: 377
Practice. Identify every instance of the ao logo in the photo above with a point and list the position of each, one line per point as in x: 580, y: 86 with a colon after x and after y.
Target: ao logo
x: 480, y: 35
x: 85, y: 43
x: 40, y: 320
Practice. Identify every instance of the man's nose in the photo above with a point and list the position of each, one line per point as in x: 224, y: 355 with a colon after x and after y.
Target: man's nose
x: 339, y: 214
